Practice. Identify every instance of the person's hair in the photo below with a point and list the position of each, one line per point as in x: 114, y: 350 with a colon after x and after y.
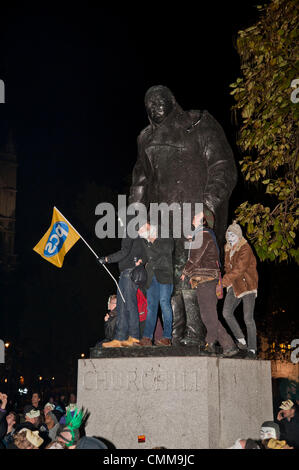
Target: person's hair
x: 21, y: 441
x: 112, y: 296
x: 35, y: 392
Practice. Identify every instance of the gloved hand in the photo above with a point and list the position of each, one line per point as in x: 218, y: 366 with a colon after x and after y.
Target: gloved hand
x: 102, y: 260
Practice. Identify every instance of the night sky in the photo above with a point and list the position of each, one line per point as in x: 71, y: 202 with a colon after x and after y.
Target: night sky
x: 75, y: 83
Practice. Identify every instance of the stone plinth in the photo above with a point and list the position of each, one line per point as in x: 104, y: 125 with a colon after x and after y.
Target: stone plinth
x: 176, y: 401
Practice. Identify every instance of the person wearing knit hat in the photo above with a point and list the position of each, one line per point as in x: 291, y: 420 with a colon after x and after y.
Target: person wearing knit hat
x: 241, y: 281
x: 52, y: 424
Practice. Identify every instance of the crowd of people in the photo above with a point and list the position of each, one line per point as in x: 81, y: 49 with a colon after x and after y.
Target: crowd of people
x: 58, y: 425
x: 55, y: 425
x: 202, y: 270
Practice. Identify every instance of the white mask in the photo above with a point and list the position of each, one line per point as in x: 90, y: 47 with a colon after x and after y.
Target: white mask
x: 268, y: 433
x: 232, y: 238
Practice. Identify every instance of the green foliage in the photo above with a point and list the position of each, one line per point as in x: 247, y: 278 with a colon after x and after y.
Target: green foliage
x: 269, y: 134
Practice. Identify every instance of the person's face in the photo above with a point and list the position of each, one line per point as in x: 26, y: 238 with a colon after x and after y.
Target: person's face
x: 232, y: 238
x: 46, y: 410
x: 288, y: 413
x: 10, y: 419
x: 112, y: 304
x: 35, y: 398
x: 49, y: 421
x: 64, y: 435
x: 72, y: 398
x: 197, y: 219
x: 158, y: 107
x: 143, y: 232
x: 33, y: 421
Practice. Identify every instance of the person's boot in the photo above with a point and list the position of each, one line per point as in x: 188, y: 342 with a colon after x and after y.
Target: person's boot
x: 115, y: 343
x: 195, y: 331
x: 130, y: 342
x: 178, y: 319
x: 145, y: 341
x: 163, y: 342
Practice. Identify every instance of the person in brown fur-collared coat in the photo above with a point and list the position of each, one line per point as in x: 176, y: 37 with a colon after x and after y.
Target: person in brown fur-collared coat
x: 241, y: 281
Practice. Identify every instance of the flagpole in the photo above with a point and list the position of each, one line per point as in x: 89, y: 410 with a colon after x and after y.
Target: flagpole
x: 97, y: 257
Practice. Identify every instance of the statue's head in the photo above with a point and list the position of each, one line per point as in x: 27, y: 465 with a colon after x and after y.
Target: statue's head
x: 159, y: 102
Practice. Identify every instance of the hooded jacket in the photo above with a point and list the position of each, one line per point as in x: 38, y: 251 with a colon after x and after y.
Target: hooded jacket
x: 240, y: 269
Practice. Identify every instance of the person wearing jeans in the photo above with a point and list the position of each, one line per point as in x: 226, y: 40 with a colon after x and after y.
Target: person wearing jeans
x: 159, y: 285
x: 127, y: 323
x: 241, y: 281
x: 158, y: 293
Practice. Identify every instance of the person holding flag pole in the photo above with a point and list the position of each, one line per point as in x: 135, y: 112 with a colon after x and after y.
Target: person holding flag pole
x: 131, y: 254
x: 59, y: 239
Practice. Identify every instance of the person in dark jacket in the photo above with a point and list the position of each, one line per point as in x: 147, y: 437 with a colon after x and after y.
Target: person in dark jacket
x: 11, y: 419
x: 110, y: 318
x: 127, y: 331
x: 159, y: 284
x: 288, y: 420
x: 202, y: 269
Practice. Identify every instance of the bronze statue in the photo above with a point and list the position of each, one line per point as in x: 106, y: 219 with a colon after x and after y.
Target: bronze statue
x: 183, y: 156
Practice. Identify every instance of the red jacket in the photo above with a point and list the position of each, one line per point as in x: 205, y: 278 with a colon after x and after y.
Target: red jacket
x: 141, y: 305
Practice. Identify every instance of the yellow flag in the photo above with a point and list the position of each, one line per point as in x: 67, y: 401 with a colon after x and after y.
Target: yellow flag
x: 58, y: 240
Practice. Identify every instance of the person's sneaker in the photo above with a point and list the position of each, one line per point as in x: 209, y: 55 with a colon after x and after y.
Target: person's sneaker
x: 130, y: 342
x: 112, y: 344
x: 163, y: 342
x: 251, y: 355
x: 230, y: 352
x: 145, y: 342
x: 210, y: 348
x: 241, y: 346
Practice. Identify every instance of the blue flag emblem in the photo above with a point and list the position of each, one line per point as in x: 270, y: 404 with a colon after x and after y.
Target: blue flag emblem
x: 56, y: 239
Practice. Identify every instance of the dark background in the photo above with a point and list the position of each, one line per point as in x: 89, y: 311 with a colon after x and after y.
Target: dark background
x: 75, y: 83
